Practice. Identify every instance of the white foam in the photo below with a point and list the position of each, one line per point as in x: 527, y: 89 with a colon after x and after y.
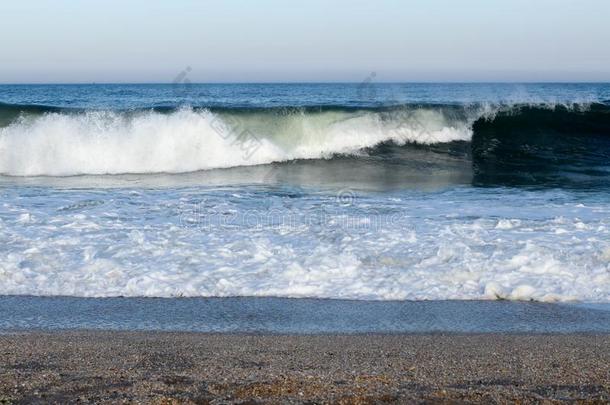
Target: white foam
x: 448, y: 246
x: 185, y: 141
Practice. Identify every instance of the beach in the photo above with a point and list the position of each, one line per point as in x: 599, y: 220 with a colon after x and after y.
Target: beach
x: 305, y: 202
x: 166, y: 367
x: 305, y: 243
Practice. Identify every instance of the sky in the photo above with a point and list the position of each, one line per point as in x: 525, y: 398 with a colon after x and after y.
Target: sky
x: 65, y: 41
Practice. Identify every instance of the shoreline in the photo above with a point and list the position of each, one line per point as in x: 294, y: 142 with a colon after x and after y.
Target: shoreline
x: 190, y: 367
x: 298, y: 316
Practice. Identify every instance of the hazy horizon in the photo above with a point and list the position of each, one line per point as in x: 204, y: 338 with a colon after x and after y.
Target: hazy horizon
x: 67, y: 41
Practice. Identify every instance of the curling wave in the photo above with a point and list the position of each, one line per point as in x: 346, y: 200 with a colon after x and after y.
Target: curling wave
x: 107, y: 142
x: 508, y: 144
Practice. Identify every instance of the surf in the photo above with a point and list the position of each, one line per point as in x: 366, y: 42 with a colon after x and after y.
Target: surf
x: 187, y: 140
x: 505, y: 144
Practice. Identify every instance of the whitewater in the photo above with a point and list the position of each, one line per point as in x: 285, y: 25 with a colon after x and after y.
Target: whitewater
x: 108, y: 142
x: 452, y: 192
x: 291, y: 242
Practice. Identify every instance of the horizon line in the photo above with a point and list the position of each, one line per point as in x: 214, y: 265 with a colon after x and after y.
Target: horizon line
x: 307, y: 82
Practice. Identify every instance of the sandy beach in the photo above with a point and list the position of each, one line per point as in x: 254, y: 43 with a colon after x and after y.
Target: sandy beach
x: 155, y: 367
x: 316, y: 202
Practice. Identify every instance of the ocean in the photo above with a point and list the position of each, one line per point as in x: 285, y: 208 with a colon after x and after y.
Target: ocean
x: 365, y: 191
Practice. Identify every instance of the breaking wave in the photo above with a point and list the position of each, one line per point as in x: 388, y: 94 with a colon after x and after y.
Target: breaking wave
x: 508, y: 143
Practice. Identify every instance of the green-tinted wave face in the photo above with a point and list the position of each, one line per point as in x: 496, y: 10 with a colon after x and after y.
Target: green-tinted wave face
x: 556, y: 145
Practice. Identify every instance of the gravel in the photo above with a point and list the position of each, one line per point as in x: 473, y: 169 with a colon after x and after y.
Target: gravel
x: 168, y: 368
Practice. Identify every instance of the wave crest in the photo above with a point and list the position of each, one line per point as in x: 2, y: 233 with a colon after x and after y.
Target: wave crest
x: 186, y: 140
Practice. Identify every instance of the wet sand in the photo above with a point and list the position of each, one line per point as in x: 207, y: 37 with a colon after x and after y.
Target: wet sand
x: 165, y: 367
x: 299, y: 315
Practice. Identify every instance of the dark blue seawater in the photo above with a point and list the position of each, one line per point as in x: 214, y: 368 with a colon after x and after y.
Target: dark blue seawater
x: 367, y: 93
x: 361, y: 191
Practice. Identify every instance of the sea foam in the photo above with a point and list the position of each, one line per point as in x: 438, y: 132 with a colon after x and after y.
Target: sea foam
x: 246, y: 242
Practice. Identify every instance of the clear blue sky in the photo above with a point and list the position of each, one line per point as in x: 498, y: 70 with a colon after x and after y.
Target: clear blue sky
x: 313, y: 40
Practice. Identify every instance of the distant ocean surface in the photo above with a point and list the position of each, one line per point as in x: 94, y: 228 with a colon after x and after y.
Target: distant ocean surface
x: 362, y: 191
